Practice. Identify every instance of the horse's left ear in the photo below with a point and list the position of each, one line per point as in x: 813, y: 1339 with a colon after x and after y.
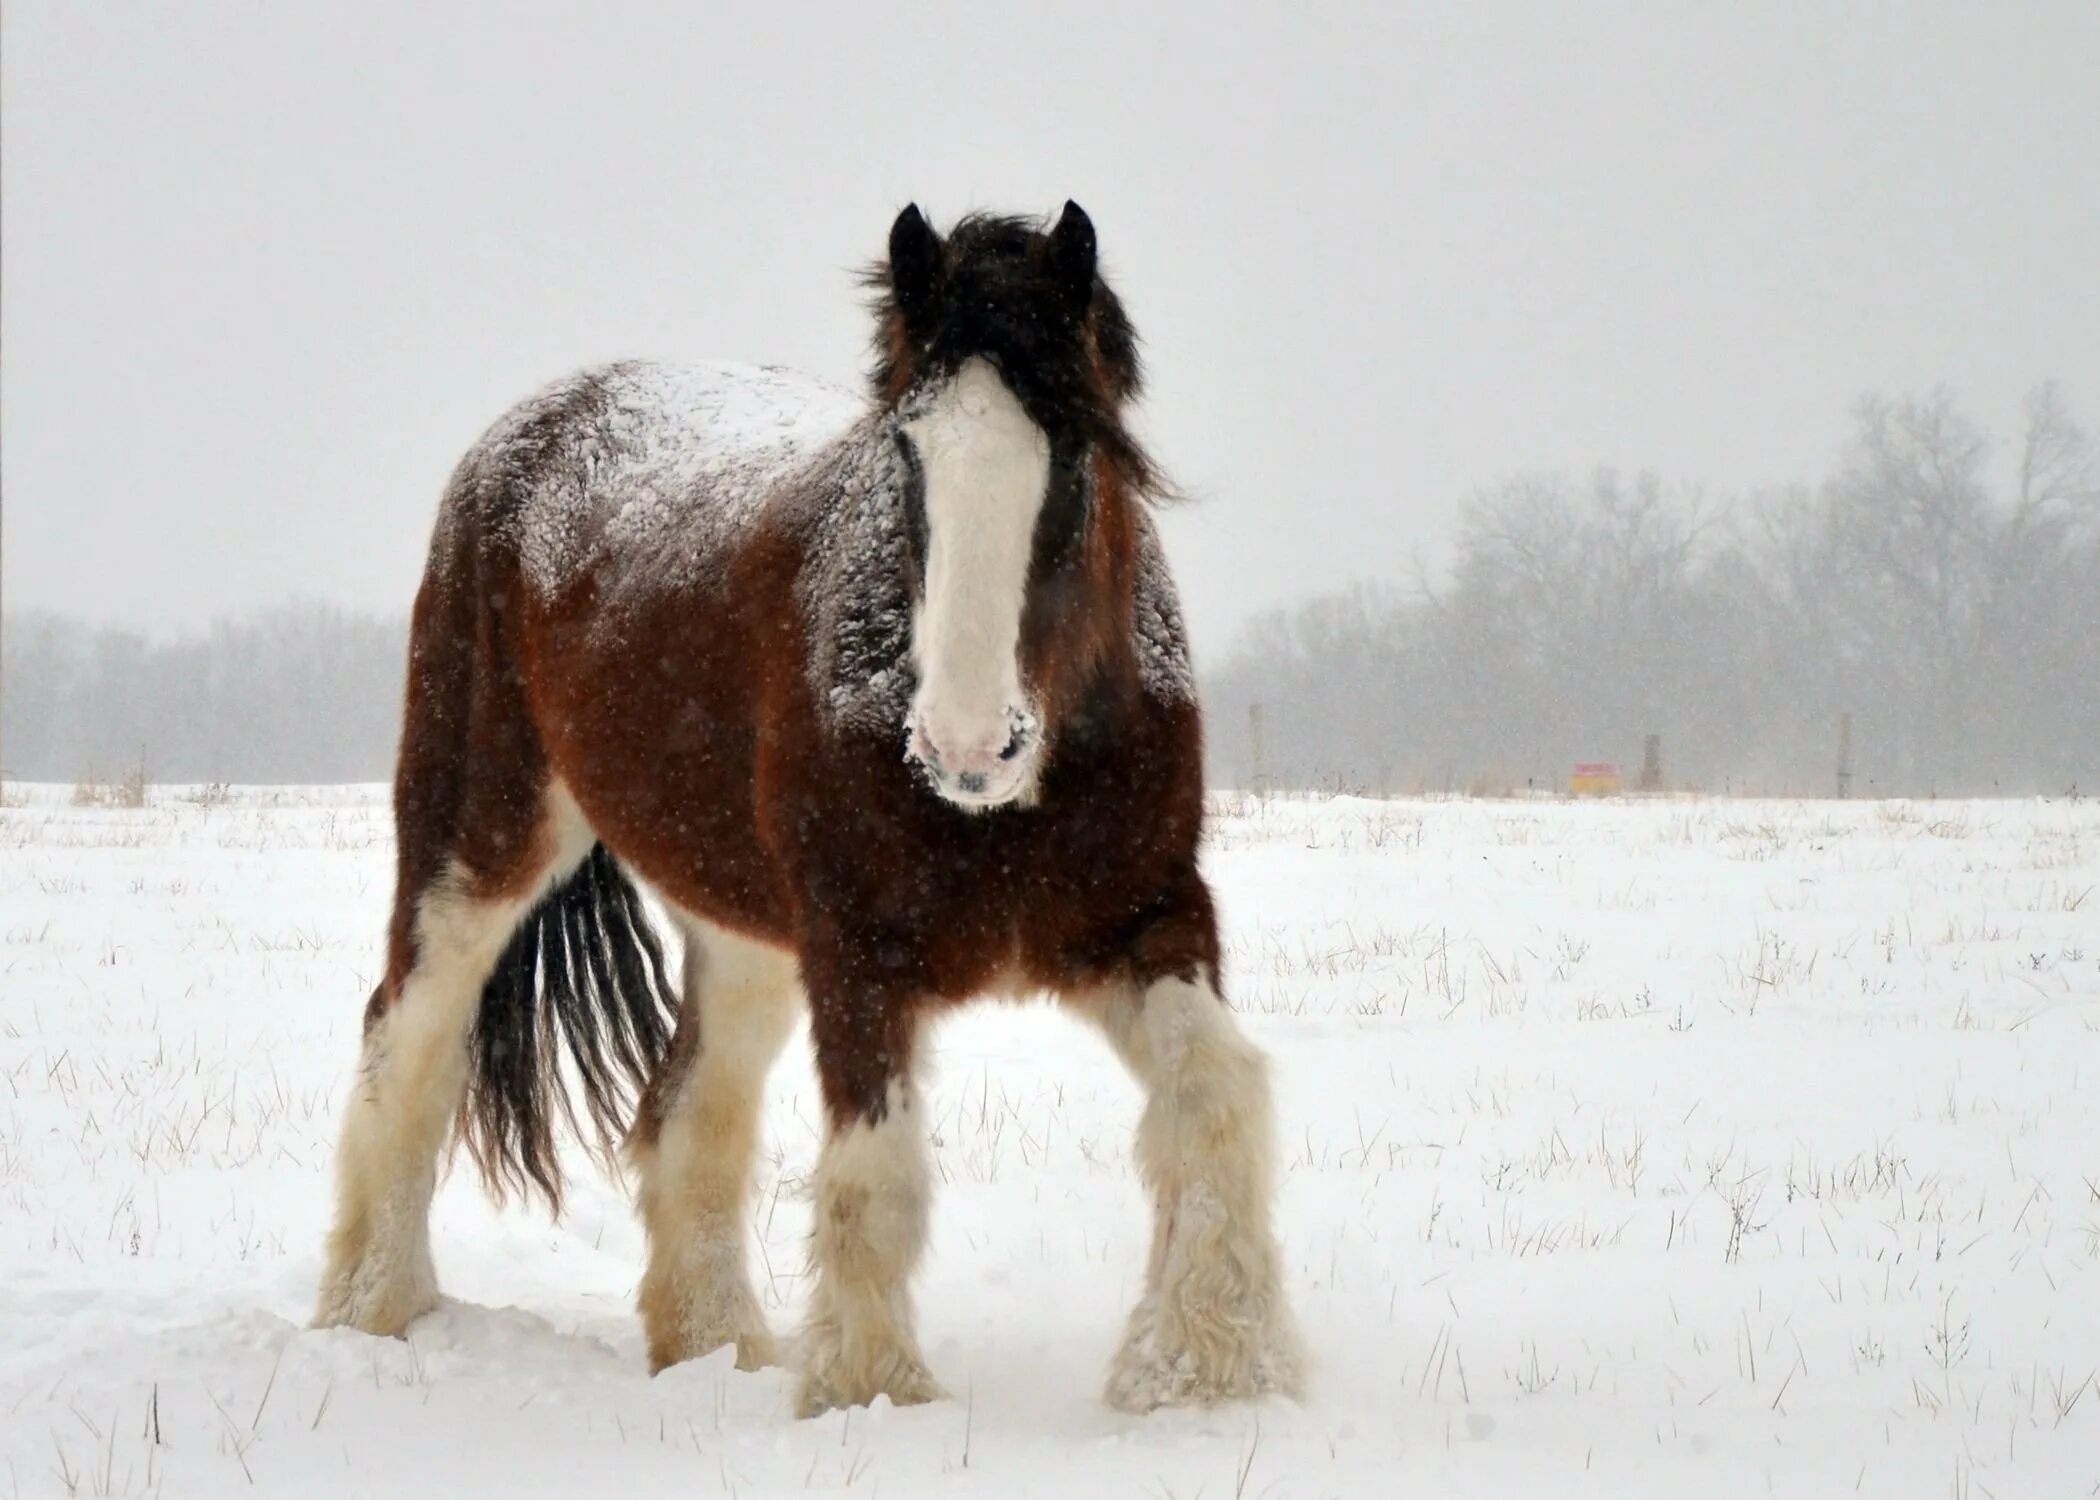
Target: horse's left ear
x: 915, y: 266
x: 1072, y: 255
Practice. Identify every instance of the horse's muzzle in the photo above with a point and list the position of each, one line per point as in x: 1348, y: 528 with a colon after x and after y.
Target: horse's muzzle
x: 977, y: 766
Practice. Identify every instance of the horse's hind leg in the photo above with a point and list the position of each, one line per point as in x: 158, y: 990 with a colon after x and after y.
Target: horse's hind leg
x: 694, y: 1142
x: 412, y: 1071
x: 451, y: 927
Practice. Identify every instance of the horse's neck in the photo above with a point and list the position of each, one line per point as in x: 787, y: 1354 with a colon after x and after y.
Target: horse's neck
x: 855, y: 592
x: 1161, y: 639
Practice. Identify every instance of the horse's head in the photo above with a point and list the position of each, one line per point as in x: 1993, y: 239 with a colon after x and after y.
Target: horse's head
x: 1006, y: 362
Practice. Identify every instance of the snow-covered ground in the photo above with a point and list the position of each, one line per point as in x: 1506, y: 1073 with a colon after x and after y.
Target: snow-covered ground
x: 1716, y: 1148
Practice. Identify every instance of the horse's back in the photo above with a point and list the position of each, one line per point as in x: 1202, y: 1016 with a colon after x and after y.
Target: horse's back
x: 640, y: 472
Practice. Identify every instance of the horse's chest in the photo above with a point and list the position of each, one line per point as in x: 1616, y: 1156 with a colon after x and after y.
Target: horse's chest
x: 1030, y: 876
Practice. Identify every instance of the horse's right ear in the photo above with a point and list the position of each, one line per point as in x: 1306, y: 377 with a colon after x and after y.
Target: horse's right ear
x: 915, y: 266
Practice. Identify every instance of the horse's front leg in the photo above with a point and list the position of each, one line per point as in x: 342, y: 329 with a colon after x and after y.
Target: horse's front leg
x: 1214, y: 1323
x: 873, y: 1190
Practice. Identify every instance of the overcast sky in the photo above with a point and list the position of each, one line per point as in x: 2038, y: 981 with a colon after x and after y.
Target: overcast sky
x: 268, y: 268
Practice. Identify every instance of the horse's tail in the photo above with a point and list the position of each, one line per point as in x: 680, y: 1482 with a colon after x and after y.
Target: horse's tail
x: 584, y: 974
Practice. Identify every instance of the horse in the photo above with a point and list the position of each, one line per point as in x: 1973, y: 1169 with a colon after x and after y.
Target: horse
x: 885, y: 697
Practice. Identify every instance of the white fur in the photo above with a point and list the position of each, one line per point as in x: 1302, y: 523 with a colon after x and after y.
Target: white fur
x: 874, y: 1188
x: 986, y: 468
x: 410, y: 1077
x: 695, y: 1178
x: 413, y: 1069
x: 1214, y: 1323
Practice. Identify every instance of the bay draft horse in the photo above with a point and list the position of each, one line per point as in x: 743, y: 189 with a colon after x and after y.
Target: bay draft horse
x: 887, y: 698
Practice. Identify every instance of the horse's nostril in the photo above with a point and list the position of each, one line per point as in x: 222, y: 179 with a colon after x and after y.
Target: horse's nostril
x: 1013, y: 749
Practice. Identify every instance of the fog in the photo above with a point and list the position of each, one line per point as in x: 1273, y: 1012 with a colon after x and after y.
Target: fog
x: 1902, y: 627
x: 267, y: 270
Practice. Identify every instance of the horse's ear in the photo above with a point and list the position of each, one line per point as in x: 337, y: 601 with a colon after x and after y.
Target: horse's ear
x: 1072, y: 255
x: 915, y: 265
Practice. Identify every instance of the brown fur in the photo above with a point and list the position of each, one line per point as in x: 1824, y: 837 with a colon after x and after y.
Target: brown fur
x: 894, y: 900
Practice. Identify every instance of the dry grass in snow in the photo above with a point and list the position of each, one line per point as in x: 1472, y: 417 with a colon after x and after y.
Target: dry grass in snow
x: 1735, y: 1148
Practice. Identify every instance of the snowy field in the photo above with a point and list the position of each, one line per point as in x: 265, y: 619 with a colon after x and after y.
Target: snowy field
x: 1671, y: 1148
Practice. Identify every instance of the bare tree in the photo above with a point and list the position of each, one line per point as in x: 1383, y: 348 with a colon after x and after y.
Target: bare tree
x: 1957, y: 626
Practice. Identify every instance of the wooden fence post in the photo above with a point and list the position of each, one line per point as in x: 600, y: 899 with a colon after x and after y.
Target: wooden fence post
x: 1652, y: 764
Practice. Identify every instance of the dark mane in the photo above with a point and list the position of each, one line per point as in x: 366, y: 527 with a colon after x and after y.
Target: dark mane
x: 994, y: 267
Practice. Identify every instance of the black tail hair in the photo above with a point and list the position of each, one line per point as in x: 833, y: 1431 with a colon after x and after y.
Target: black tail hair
x: 584, y: 973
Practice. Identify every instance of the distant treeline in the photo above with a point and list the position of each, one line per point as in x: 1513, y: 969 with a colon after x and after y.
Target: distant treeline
x: 1958, y: 623
x: 302, y: 693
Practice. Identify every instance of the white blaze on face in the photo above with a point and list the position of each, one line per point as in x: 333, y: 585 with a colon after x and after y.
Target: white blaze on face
x: 986, y: 466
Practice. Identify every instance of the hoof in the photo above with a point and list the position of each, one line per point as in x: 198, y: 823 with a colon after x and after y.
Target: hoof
x: 756, y: 1349
x: 901, y: 1377
x: 1238, y: 1358
x: 383, y: 1310
x: 379, y: 1277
